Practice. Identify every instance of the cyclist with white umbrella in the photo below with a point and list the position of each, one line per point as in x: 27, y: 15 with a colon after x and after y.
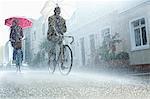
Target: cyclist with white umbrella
x: 56, y: 24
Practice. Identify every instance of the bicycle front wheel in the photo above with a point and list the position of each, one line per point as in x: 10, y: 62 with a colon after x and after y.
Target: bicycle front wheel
x: 66, y: 60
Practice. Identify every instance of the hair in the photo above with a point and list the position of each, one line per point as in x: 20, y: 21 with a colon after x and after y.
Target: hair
x: 56, y: 8
x: 15, y: 20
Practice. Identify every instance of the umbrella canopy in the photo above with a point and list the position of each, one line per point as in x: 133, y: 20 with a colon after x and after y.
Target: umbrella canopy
x: 68, y: 7
x: 22, y: 22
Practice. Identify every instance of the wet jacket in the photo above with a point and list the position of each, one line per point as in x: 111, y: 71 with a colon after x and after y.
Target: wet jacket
x: 16, y: 34
x: 55, y: 24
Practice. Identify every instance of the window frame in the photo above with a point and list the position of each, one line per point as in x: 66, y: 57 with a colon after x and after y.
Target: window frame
x: 103, y: 34
x: 132, y: 34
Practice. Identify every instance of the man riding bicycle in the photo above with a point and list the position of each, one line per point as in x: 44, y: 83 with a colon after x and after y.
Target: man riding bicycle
x: 16, y: 35
x: 56, y: 27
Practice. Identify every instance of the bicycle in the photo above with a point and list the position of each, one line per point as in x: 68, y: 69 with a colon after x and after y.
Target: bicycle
x: 64, y: 59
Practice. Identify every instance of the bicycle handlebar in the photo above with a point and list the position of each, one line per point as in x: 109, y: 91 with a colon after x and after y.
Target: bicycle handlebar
x: 68, y: 37
x: 64, y: 36
x: 71, y: 38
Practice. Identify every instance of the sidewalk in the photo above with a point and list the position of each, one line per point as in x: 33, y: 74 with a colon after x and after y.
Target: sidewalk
x: 141, y: 74
x: 103, y: 69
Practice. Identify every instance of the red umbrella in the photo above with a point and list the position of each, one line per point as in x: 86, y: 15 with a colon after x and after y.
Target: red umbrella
x: 22, y: 22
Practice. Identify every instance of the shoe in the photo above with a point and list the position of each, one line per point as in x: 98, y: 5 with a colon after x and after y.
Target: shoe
x: 19, y: 71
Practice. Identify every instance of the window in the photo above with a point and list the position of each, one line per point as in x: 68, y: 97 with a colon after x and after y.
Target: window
x: 98, y: 40
x: 92, y: 43
x: 106, y: 36
x: 139, y: 35
x: 82, y: 50
x: 106, y: 32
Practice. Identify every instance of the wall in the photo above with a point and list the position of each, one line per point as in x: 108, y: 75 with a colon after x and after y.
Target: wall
x: 118, y: 23
x: 139, y: 56
x: 37, y: 35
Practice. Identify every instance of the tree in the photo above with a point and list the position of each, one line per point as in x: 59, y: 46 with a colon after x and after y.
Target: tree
x: 40, y: 58
x: 108, y: 49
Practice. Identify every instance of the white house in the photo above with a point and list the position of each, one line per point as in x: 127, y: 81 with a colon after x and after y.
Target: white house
x: 38, y: 34
x: 132, y: 24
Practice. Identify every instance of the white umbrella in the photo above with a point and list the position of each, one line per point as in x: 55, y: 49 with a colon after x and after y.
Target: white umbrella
x: 67, y: 8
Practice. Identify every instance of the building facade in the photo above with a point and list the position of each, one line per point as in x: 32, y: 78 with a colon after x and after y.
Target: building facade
x: 38, y: 34
x: 133, y: 26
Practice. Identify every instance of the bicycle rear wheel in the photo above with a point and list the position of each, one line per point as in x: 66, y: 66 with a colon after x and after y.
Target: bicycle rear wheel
x: 51, y: 67
x: 66, y: 60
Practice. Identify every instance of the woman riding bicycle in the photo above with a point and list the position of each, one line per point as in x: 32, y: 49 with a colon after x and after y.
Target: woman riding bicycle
x: 56, y: 27
x: 16, y: 35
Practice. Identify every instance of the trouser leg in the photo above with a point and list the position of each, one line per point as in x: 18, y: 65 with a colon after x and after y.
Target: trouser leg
x: 14, y: 54
x: 52, y: 52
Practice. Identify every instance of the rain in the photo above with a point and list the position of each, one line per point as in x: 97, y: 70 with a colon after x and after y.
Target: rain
x: 72, y: 49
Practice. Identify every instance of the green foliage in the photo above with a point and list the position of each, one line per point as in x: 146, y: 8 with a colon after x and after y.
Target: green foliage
x: 108, y: 49
x: 45, y: 45
x: 40, y: 56
x: 104, y: 53
x: 122, y: 55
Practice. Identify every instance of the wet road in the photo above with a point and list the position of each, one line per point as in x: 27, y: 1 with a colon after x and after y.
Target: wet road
x: 42, y: 85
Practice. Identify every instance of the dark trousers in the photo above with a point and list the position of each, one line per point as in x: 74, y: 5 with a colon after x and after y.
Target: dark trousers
x: 15, y: 53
